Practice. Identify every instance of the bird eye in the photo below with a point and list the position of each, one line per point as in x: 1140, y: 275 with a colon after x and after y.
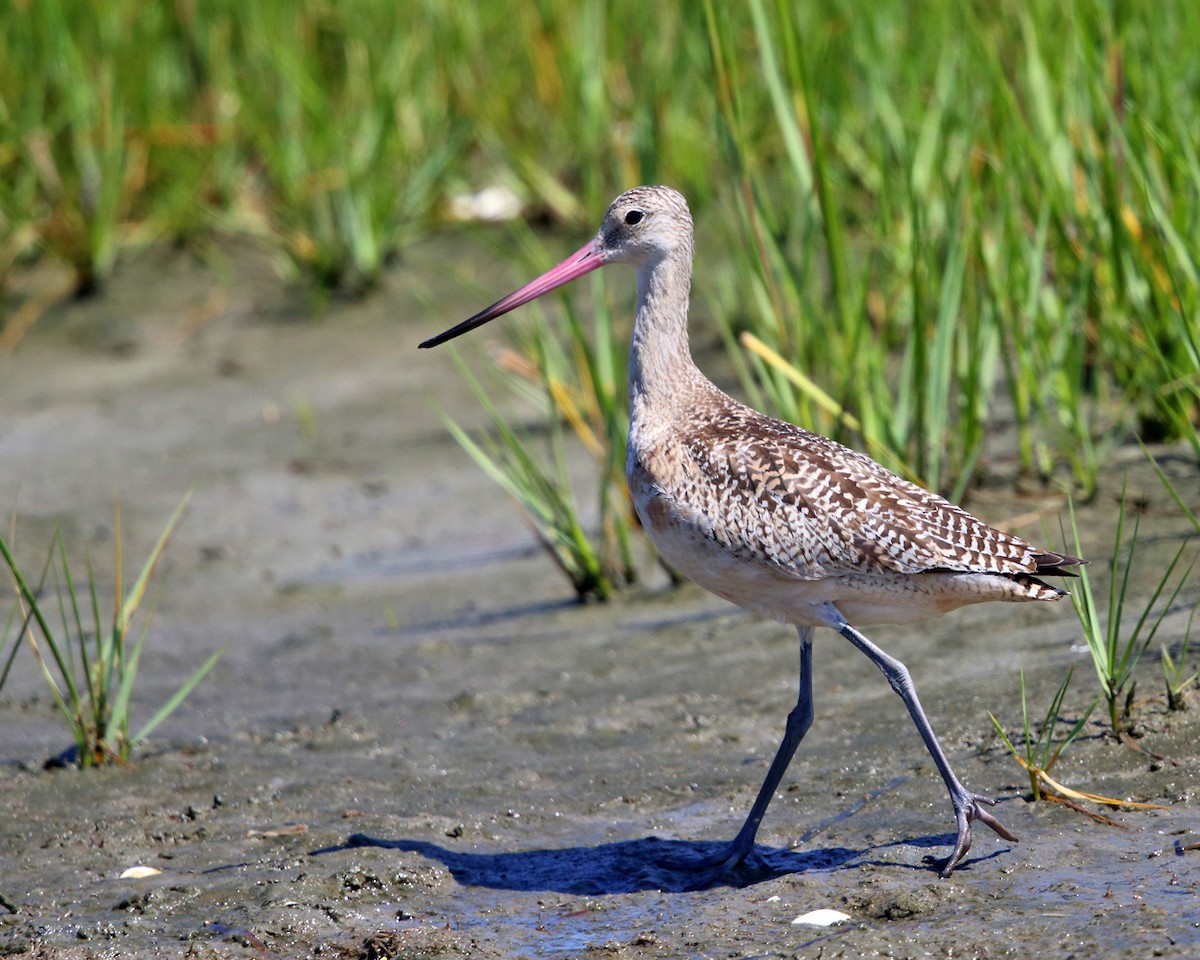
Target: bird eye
x: 634, y: 216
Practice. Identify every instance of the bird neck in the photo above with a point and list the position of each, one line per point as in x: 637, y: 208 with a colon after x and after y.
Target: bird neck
x: 661, y: 369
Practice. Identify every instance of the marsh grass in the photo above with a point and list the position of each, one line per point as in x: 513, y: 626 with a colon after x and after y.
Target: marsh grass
x: 534, y: 474
x: 1116, y: 646
x: 573, y: 368
x: 816, y: 300
x: 10, y: 643
x: 1172, y: 490
x: 71, y: 128
x: 351, y: 130
x: 1039, y: 750
x: 335, y: 133
x: 91, y: 666
x: 1173, y: 668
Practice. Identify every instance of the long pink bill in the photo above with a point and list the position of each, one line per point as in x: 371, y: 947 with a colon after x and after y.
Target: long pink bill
x: 585, y: 260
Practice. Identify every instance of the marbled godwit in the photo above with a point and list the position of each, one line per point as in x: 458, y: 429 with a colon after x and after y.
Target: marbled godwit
x: 778, y: 520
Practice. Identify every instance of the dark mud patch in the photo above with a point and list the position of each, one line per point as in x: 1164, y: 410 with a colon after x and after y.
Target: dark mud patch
x: 403, y: 667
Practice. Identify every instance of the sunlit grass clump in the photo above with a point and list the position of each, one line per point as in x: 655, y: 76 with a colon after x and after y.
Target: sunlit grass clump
x: 335, y: 133
x: 1118, y: 631
x: 1040, y: 749
x: 1115, y: 645
x: 90, y: 665
x: 1174, y: 667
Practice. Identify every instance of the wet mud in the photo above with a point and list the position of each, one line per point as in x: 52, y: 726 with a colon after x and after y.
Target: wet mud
x: 416, y: 745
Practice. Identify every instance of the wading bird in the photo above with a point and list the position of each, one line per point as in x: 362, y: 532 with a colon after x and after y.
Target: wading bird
x: 782, y: 522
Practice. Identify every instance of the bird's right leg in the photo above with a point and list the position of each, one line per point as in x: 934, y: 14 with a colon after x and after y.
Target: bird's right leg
x: 968, y: 806
x: 798, y: 722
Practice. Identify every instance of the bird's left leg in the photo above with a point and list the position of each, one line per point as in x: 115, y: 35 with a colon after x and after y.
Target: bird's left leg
x: 741, y: 848
x: 968, y: 806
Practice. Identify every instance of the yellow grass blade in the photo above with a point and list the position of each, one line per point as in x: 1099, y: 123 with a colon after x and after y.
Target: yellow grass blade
x: 1081, y: 795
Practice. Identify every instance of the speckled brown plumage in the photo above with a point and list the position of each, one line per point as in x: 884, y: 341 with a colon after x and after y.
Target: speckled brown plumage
x: 798, y: 509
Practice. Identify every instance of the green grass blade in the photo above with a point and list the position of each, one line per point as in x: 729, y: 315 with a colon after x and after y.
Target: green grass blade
x: 1072, y: 734
x: 126, y: 677
x: 1170, y: 487
x: 176, y: 698
x: 781, y: 100
x: 13, y: 643
x: 35, y: 610
x: 134, y: 598
x: 1084, y: 601
x: 1003, y: 736
x: 90, y: 680
x: 1029, y: 739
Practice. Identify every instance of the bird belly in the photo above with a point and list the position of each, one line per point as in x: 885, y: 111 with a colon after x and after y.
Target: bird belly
x: 864, y: 596
x: 692, y: 552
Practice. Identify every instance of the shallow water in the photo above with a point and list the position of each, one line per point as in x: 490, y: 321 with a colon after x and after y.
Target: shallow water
x: 404, y: 665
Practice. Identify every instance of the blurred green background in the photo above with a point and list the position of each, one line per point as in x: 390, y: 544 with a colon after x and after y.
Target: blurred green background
x: 944, y: 212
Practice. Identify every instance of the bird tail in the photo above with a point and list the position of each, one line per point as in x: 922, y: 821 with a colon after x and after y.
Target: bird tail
x: 1056, y: 564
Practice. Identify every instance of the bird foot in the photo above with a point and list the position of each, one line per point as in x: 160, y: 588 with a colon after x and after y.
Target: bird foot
x: 733, y: 863
x: 967, y: 809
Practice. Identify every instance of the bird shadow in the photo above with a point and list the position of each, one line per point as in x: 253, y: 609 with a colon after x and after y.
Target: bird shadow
x: 627, y: 866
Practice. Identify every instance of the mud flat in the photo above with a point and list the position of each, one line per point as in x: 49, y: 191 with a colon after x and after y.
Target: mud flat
x: 404, y: 665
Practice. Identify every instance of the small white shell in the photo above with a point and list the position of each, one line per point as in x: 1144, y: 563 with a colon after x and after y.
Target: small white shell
x: 822, y: 918
x: 137, y: 873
